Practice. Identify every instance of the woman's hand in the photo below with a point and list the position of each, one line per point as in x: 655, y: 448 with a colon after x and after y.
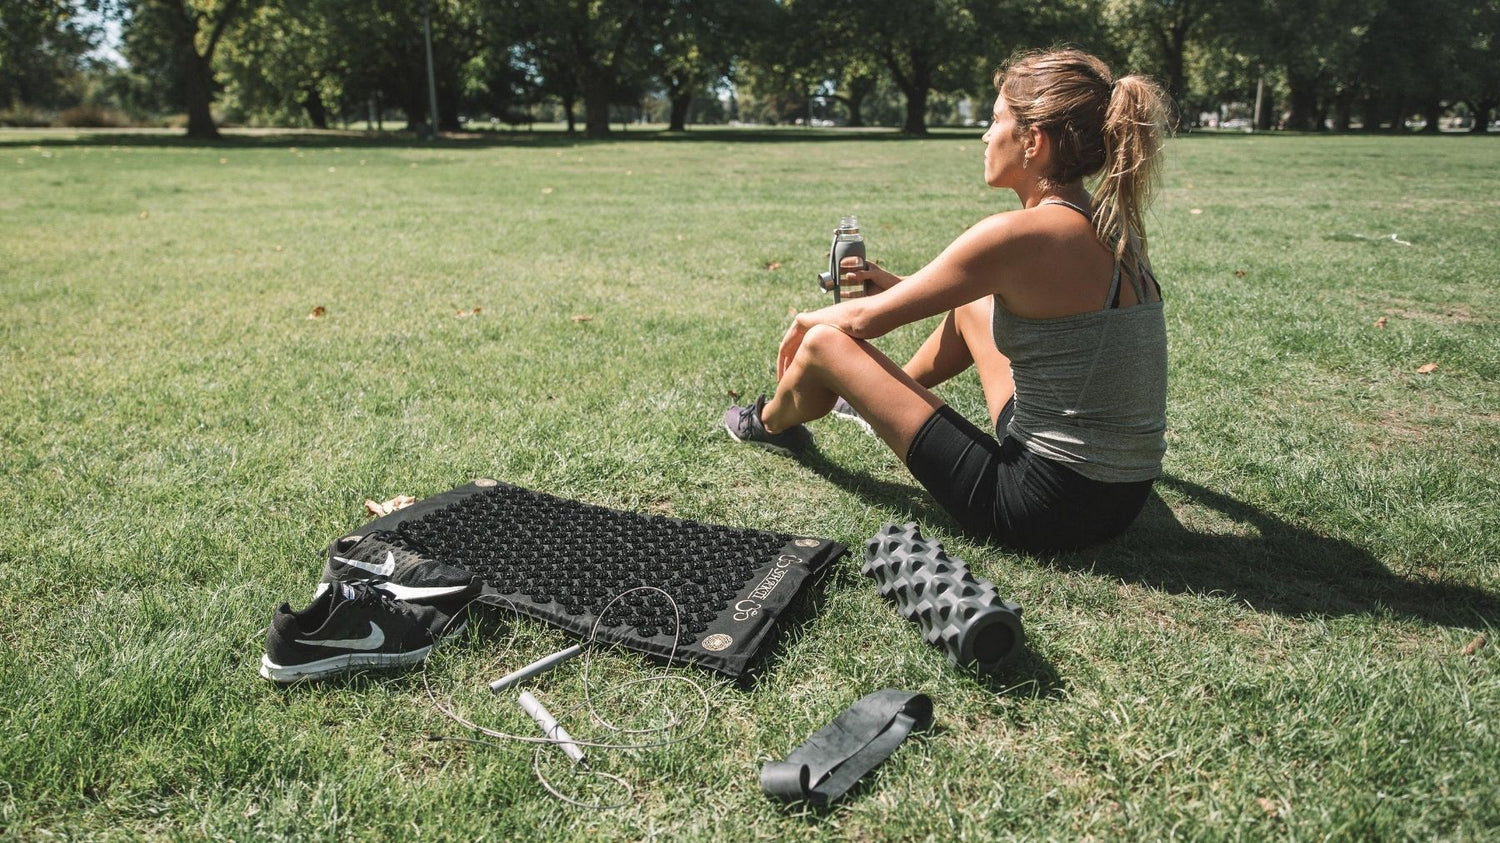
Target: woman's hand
x: 858, y: 278
x: 791, y: 342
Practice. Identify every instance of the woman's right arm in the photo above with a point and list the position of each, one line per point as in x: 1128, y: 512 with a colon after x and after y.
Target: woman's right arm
x: 977, y: 264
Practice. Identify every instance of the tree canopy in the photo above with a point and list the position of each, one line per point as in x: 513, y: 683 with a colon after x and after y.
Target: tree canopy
x: 1320, y: 64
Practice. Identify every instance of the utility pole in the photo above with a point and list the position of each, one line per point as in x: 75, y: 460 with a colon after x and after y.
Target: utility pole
x: 432, y: 109
x: 1260, y: 97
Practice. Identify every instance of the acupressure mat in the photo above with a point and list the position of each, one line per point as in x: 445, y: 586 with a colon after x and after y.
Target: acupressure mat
x: 562, y: 561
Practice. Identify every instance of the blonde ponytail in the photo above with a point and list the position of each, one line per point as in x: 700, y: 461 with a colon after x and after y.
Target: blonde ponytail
x: 1135, y: 124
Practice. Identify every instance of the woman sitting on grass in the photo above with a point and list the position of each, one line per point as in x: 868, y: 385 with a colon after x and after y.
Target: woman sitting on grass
x: 1054, y: 305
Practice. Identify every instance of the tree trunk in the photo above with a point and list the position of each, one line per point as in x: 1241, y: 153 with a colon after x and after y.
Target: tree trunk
x: 916, y: 112
x: 1304, y: 103
x: 595, y: 109
x: 1343, y: 110
x: 312, y: 103
x: 197, y: 89
x: 860, y: 88
x: 568, y: 102
x: 1433, y: 111
x: 1482, y: 116
x: 681, y: 102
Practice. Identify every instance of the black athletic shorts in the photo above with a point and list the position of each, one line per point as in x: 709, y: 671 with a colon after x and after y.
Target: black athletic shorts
x: 1000, y: 492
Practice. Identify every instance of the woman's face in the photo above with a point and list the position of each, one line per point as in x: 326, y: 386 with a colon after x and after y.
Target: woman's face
x: 1003, y: 153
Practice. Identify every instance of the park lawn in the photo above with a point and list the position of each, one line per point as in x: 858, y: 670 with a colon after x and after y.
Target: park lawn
x: 1286, y: 645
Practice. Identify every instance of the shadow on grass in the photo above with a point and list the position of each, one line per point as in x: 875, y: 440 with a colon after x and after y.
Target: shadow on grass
x: 899, y: 498
x: 327, y: 139
x: 1278, y: 567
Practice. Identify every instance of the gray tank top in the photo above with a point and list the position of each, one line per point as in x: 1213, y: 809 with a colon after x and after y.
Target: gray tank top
x: 1091, y: 389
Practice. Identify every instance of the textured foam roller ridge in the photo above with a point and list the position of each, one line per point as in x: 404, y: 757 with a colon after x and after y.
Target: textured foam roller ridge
x: 956, y: 611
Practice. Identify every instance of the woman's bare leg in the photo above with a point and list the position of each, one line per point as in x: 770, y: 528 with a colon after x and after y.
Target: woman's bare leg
x: 965, y: 339
x: 829, y: 363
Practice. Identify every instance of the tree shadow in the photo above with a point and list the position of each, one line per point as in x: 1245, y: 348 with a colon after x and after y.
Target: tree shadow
x: 1271, y: 565
x: 906, y: 501
x: 354, y: 139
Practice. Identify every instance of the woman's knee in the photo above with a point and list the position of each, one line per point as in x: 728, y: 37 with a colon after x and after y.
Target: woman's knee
x: 825, y: 342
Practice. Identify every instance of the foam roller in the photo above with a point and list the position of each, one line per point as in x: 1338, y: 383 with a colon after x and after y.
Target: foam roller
x: 960, y: 613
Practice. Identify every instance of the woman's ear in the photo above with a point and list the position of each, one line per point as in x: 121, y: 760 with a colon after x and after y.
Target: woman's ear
x: 1038, y: 144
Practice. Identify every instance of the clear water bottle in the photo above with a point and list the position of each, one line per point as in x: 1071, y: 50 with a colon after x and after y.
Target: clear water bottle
x: 847, y: 242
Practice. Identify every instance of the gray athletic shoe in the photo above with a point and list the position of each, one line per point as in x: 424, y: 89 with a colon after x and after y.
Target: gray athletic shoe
x: 744, y: 425
x: 842, y: 410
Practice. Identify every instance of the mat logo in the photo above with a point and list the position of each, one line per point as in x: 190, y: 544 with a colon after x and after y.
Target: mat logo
x: 717, y: 641
x: 750, y: 606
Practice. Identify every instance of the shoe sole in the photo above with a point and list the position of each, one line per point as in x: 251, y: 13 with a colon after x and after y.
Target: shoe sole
x: 347, y: 663
x: 775, y: 449
x: 863, y: 425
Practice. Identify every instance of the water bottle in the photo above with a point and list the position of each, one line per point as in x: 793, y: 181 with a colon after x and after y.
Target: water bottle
x: 847, y: 242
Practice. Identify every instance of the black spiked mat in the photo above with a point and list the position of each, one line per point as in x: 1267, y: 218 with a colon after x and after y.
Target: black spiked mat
x: 561, y: 561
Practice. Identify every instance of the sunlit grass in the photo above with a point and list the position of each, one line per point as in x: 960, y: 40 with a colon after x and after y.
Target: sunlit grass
x: 1274, y: 650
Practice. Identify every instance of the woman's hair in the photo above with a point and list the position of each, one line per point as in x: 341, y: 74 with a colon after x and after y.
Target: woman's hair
x: 1114, y: 127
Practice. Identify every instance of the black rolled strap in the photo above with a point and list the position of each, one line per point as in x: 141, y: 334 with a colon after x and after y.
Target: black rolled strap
x: 839, y: 754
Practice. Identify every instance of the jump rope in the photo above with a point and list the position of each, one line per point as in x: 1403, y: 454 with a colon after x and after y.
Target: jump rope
x: 554, y: 735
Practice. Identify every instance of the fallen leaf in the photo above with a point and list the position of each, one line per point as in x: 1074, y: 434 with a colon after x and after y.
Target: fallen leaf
x: 773, y: 265
x: 278, y: 248
x: 791, y: 311
x: 733, y: 396
x: 546, y: 190
x: 462, y: 313
x: 478, y: 310
x: 145, y: 214
x: 1473, y: 646
x: 317, y: 312
x: 1426, y: 368
x: 679, y: 237
x: 387, y: 507
x: 223, y: 160
x: 582, y: 317
x: 332, y: 169
x: 1196, y: 211
x: 1380, y: 323
x: 1239, y: 273
x: 1269, y: 806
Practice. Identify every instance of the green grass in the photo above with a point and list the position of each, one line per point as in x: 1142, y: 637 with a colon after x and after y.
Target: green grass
x: 1274, y: 651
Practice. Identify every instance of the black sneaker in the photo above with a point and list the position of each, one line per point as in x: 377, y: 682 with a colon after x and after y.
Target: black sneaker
x: 350, y: 626
x: 844, y: 411
x: 386, y: 560
x: 744, y: 425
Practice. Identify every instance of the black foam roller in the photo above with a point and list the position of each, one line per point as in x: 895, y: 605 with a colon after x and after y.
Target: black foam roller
x: 960, y: 613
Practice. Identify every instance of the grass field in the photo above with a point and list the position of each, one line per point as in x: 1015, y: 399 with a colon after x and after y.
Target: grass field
x: 1283, y: 647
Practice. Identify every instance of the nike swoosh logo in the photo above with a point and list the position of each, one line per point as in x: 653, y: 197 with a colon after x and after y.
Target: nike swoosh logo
x: 384, y: 569
x: 404, y: 592
x: 415, y: 592
x: 369, y: 642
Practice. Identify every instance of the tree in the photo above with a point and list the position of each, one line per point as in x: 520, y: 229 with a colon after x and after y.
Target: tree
x: 177, y: 39
x: 41, y: 43
x: 1481, y: 62
x: 598, y: 48
x: 1161, y: 33
x: 922, y: 44
x: 697, y: 45
x: 283, y: 59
